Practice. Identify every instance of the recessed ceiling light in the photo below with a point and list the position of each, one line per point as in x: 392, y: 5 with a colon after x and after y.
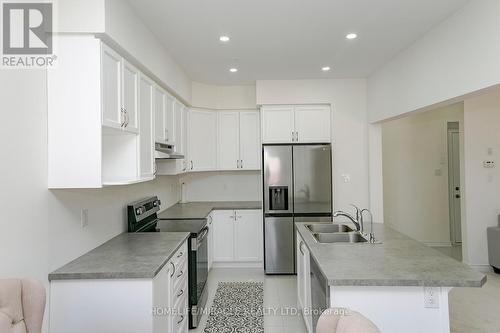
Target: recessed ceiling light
x: 224, y: 39
x: 233, y: 70
x: 351, y: 36
x: 325, y: 69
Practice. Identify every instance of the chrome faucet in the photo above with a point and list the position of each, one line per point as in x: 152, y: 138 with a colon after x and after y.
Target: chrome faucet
x: 371, y: 235
x: 357, y: 221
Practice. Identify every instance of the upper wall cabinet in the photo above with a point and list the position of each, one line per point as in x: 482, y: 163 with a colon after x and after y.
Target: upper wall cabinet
x: 238, y: 140
x: 296, y: 124
x: 100, y: 120
x: 202, y: 141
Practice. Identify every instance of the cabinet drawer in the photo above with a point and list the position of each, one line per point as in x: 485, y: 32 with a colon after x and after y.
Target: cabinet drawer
x: 180, y: 256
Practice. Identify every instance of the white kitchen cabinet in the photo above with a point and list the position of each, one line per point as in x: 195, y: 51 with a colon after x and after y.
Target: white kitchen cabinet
x: 304, y: 282
x: 123, y: 305
x: 111, y: 72
x: 312, y: 124
x: 277, y: 124
x: 248, y: 235
x: 202, y: 141
x: 130, y: 83
x: 296, y: 124
x: 223, y: 236
x: 250, y: 147
x: 237, y: 236
x: 228, y: 140
x: 169, y: 119
x: 159, y: 111
x: 178, y: 126
x: 146, y: 128
x: 210, y: 223
x: 238, y: 140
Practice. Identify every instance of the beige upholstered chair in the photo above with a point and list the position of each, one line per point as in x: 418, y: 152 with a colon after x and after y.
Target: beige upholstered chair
x: 344, y: 321
x: 22, y: 304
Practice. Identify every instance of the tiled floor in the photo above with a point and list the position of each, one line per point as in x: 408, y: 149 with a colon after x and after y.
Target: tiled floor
x: 280, y: 293
x: 472, y: 310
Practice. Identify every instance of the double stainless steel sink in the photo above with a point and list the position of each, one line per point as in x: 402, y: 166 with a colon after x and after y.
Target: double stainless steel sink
x: 335, y: 233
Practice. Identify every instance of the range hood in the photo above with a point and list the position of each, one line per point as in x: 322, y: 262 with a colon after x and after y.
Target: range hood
x: 165, y: 151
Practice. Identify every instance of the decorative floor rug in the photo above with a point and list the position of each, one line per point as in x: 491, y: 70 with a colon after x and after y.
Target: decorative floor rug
x: 237, y: 307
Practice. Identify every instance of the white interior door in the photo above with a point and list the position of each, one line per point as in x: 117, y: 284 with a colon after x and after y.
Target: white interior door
x: 248, y: 236
x: 159, y: 110
x: 277, y: 124
x: 202, y: 140
x: 312, y: 124
x: 250, y: 148
x: 223, y: 237
x: 146, y: 127
x: 228, y: 140
x: 111, y: 88
x: 129, y: 97
x: 454, y: 184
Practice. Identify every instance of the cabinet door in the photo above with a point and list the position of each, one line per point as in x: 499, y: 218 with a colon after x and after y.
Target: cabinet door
x: 223, y: 233
x: 130, y: 81
x: 304, y: 281
x: 184, y: 131
x: 250, y: 148
x: 159, y: 110
x: 169, y: 119
x: 202, y: 140
x: 277, y: 124
x: 162, y: 286
x: 146, y: 127
x: 313, y: 124
x: 248, y: 236
x: 112, y: 115
x: 228, y: 140
x: 178, y: 126
x: 210, y: 241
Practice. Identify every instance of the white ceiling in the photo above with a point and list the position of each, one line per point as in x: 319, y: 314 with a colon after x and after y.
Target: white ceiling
x: 288, y: 39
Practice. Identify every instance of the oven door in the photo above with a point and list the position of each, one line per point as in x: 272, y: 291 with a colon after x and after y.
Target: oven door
x: 198, y: 280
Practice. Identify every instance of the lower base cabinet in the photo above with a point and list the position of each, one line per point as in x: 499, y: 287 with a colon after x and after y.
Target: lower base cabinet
x: 304, y: 282
x: 237, y: 237
x: 158, y: 305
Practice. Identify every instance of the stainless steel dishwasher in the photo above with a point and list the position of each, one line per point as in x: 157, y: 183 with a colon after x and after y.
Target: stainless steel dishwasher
x: 320, y: 292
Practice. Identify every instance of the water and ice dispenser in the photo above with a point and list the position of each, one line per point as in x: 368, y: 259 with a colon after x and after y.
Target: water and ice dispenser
x: 278, y: 198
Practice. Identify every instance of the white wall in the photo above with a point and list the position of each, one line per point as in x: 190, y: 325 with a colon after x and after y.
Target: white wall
x: 132, y: 34
x: 223, y: 186
x: 481, y: 131
x: 458, y: 57
x: 350, y: 132
x: 77, y: 16
x: 223, y: 97
x: 415, y: 150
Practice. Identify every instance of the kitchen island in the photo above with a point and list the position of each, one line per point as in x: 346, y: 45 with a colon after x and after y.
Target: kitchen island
x: 399, y: 283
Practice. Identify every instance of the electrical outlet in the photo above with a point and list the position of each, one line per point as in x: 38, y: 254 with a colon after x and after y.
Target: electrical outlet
x: 431, y: 297
x: 84, y: 217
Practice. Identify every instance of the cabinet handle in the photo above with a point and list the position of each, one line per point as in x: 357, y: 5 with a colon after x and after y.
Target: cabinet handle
x: 300, y: 247
x: 173, y: 269
x: 293, y: 136
x: 180, y: 254
x: 180, y: 321
x: 180, y: 274
x: 241, y: 164
x: 296, y: 136
x: 122, y: 117
x: 126, y: 117
x: 191, y: 165
x: 180, y: 294
x: 166, y: 134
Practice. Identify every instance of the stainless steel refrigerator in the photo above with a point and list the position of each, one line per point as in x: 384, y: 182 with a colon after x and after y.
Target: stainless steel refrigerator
x: 297, y: 181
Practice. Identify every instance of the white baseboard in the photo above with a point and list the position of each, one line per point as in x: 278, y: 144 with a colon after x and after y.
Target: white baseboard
x: 238, y: 265
x: 482, y: 268
x: 438, y: 244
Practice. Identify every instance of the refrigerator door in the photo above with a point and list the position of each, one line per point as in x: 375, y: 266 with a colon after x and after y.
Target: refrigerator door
x: 312, y: 167
x: 278, y: 186
x: 279, y: 245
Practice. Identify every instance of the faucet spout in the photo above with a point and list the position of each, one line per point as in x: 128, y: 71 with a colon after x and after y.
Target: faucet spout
x: 350, y: 217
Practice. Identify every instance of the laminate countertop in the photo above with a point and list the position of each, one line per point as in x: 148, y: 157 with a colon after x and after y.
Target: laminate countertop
x: 201, y: 209
x: 127, y: 256
x: 397, y: 261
